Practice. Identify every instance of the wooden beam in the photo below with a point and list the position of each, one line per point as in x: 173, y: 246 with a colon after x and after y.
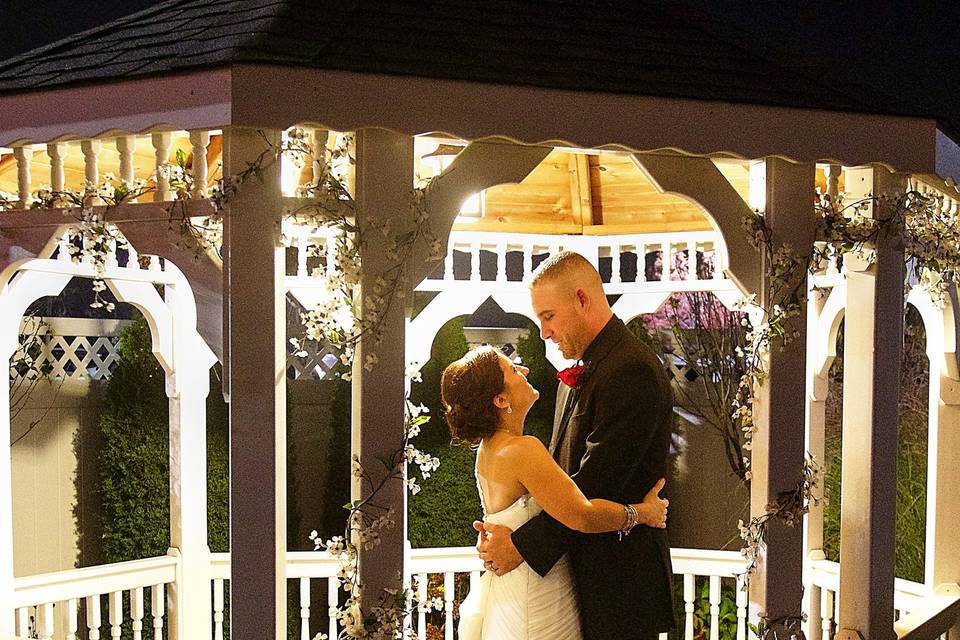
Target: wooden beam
x: 581, y: 199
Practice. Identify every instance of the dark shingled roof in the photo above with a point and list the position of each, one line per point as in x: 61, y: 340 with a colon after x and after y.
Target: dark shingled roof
x: 640, y: 47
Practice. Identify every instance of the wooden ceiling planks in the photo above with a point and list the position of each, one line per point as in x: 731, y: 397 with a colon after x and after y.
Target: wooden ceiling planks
x: 572, y: 193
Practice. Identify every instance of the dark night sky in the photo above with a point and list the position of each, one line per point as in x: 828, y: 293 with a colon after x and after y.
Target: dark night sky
x: 904, y: 48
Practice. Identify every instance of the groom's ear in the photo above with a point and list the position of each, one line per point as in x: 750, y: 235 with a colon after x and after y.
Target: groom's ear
x: 582, y: 297
x: 500, y: 401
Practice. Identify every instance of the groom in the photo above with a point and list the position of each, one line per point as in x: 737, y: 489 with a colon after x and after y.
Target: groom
x: 611, y: 434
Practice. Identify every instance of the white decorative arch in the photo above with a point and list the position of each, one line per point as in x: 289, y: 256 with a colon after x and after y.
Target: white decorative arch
x: 186, y: 360
x: 942, y: 552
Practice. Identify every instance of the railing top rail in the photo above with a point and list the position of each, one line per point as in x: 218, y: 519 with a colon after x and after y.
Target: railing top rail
x: 78, y: 583
x: 935, y: 616
x: 318, y: 564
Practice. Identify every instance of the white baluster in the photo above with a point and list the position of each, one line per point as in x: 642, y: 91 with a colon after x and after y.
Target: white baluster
x: 331, y: 255
x: 714, y: 607
x: 23, y: 156
x: 133, y: 258
x: 57, y: 151
x: 304, y: 608
x: 615, y: 249
x: 93, y: 617
x: 115, y: 601
x: 448, y: 262
x: 835, y: 595
x: 448, y: 587
x: 199, y: 141
x: 666, y: 261
x: 218, y: 608
x: 527, y: 260
x: 719, y: 264
x: 45, y: 621
x: 91, y: 169
x: 111, y: 260
x: 136, y: 612
x: 155, y: 264
x: 826, y: 612
x: 689, y: 584
x: 321, y: 154
x: 73, y: 606
x: 333, y: 590
x: 161, y: 147
x: 742, y: 598
x: 501, y: 261
x: 421, y: 613
x: 303, y: 244
x: 693, y: 261
x: 126, y: 145
x: 475, y: 261
x: 157, y: 610
x: 23, y: 622
x: 832, y: 172
x: 64, y: 247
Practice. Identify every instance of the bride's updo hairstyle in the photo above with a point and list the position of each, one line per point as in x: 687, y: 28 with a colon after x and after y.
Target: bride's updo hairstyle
x: 467, y: 389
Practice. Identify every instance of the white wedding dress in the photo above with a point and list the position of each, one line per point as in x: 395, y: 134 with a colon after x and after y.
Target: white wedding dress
x: 521, y: 605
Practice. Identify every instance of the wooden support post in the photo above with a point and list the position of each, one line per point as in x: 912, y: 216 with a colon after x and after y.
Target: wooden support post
x: 815, y: 444
x: 254, y: 304
x: 778, y: 443
x: 7, y: 347
x: 871, y: 367
x: 384, y: 177
x: 187, y: 388
x: 943, y: 478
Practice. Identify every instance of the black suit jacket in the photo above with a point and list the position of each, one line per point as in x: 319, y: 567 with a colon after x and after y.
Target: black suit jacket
x: 611, y: 434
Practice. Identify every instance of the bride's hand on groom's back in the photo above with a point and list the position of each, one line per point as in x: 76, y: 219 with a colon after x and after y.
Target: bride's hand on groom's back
x: 653, y: 509
x: 496, y: 548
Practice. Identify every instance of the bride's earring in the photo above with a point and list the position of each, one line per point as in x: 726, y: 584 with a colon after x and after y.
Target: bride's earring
x: 509, y: 409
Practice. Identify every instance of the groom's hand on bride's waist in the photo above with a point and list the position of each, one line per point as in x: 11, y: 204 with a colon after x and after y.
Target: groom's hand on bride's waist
x: 496, y: 548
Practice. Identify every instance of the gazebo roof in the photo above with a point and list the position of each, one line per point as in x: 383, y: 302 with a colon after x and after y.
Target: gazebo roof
x: 628, y: 47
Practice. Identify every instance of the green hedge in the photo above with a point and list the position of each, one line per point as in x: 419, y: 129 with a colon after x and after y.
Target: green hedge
x: 133, y: 460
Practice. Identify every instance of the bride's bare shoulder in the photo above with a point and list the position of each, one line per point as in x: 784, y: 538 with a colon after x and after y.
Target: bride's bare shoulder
x: 523, y: 448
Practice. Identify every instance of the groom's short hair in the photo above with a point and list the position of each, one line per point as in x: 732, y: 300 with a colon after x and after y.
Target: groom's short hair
x: 564, y: 264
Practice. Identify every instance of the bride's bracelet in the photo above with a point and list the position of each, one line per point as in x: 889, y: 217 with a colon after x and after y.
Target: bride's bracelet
x: 633, y: 518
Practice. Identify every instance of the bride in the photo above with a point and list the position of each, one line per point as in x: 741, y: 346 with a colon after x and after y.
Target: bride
x: 486, y: 398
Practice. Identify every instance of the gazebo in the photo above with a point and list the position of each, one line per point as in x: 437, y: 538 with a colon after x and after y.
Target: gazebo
x: 650, y: 136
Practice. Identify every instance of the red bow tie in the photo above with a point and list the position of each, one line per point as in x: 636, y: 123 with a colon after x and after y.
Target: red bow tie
x: 571, y: 375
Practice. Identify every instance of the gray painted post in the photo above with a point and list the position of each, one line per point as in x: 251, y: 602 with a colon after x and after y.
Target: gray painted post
x: 776, y: 589
x: 384, y: 185
x: 872, y: 351
x: 253, y: 301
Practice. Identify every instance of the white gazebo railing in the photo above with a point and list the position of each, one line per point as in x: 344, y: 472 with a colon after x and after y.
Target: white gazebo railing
x: 50, y: 605
x: 76, y: 590
x: 908, y: 597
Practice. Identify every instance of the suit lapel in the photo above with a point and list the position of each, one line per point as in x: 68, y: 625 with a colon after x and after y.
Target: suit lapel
x: 596, y: 352
x: 570, y: 398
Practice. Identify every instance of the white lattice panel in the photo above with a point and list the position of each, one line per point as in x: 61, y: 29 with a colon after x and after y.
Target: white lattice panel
x: 69, y: 348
